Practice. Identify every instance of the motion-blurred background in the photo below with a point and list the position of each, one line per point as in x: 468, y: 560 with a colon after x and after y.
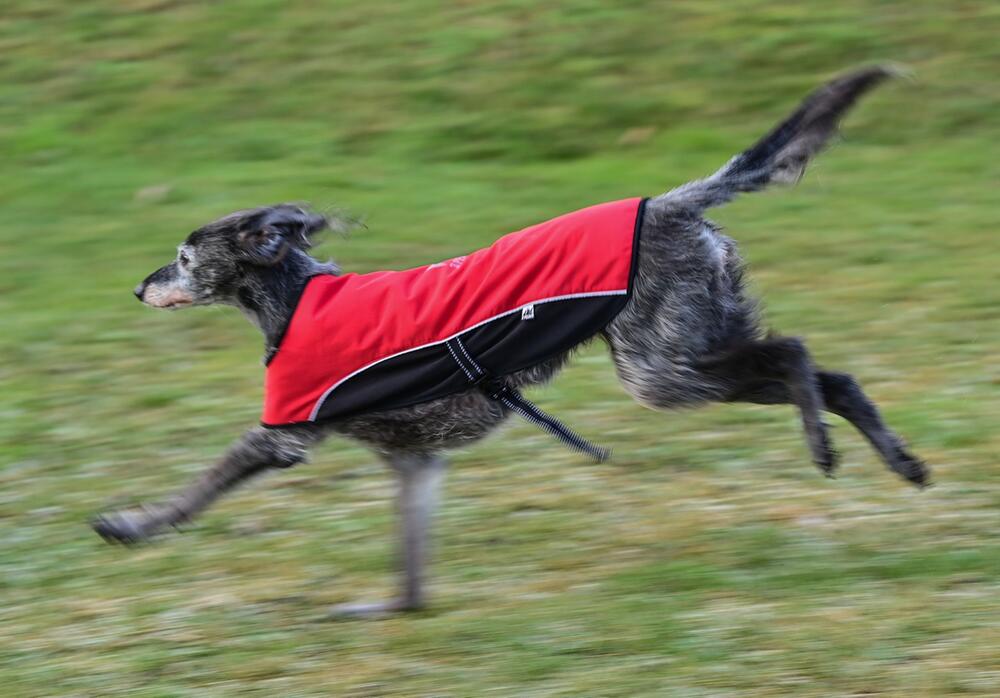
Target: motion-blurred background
x: 708, y: 559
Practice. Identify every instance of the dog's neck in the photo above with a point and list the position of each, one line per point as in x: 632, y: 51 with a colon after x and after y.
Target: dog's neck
x: 268, y: 297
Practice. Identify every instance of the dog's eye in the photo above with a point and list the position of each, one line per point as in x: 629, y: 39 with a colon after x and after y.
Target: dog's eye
x: 183, y: 259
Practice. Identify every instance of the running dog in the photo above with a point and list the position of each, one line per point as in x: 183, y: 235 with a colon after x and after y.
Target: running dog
x: 680, y: 326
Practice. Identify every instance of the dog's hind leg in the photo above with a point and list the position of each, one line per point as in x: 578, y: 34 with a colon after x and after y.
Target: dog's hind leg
x: 786, y: 362
x: 420, y: 477
x: 844, y: 397
x: 258, y: 450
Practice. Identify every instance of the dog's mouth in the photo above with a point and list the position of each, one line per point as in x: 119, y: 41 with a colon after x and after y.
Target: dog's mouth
x: 175, y: 305
x: 172, y: 300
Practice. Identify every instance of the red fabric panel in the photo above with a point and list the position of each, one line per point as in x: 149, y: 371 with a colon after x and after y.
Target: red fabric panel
x: 344, y: 323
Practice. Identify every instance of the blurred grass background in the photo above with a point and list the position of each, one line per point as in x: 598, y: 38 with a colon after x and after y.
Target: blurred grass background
x: 709, y: 559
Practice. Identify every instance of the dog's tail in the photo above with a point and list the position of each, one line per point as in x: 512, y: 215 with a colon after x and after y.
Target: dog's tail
x: 781, y: 156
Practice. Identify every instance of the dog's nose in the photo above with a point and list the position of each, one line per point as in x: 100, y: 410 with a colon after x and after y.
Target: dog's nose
x: 139, y: 290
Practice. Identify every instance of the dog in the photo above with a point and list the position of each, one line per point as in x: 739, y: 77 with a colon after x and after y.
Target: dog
x: 689, y: 334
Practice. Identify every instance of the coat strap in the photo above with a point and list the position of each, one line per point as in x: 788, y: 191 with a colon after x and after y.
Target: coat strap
x: 510, y: 397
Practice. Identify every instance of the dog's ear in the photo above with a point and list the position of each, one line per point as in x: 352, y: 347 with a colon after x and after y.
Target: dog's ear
x: 296, y: 224
x: 263, y: 246
x: 267, y: 242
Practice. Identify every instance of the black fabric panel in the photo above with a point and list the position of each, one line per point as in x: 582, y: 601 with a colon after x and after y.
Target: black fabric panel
x: 502, y: 346
x: 510, y: 343
x: 636, y: 235
x: 401, y: 381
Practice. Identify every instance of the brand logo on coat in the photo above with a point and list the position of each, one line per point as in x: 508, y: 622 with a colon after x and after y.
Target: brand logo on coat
x: 455, y: 263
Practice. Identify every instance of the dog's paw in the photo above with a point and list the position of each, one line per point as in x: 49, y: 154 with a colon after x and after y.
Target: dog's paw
x: 911, y: 468
x: 371, y: 610
x: 828, y: 462
x: 825, y: 456
x: 125, y: 527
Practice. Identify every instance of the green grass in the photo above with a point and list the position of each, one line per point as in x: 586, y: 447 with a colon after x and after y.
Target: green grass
x: 709, y: 559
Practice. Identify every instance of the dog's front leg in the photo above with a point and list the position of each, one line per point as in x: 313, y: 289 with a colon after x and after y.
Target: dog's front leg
x: 420, y: 477
x: 257, y: 450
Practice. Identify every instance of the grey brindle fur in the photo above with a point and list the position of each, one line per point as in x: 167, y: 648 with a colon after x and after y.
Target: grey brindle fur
x: 689, y: 335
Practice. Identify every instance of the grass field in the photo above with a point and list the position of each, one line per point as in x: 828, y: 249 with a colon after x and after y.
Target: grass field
x: 708, y: 559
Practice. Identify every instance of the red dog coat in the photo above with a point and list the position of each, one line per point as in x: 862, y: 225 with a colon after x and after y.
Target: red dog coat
x: 361, y: 343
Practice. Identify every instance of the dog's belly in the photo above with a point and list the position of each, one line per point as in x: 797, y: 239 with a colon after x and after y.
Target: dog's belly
x: 439, y: 424
x: 449, y: 422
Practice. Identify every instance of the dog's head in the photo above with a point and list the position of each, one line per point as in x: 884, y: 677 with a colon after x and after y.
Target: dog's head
x: 219, y: 259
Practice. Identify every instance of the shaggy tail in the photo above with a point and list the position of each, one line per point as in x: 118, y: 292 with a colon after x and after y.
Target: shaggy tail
x: 781, y: 156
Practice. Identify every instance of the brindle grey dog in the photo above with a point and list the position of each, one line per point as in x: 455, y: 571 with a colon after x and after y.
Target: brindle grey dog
x: 688, y: 335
